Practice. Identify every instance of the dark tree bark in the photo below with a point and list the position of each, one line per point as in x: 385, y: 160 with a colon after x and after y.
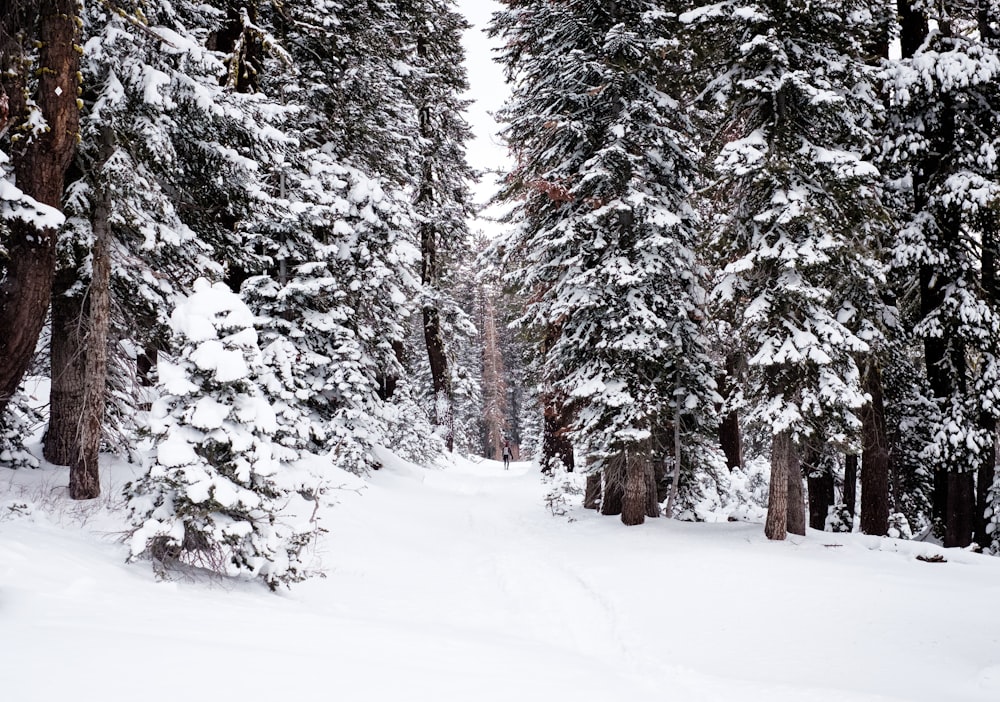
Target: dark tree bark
x: 796, y: 522
x: 614, y: 486
x: 556, y: 445
x: 730, y: 438
x: 960, y: 512
x: 850, y: 483
x: 68, y: 362
x: 776, y: 526
x: 592, y: 494
x: 820, y: 483
x: 652, y: 500
x: 40, y: 168
x: 634, y: 500
x: 874, y: 458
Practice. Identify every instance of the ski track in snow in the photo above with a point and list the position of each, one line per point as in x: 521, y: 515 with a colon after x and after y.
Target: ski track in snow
x: 457, y: 584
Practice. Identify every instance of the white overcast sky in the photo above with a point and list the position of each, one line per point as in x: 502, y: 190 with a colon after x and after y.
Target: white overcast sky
x: 488, y: 90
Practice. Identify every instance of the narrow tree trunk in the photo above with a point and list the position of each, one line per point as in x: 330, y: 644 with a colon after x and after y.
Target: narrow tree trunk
x: 730, y: 438
x: 851, y: 483
x: 675, y: 479
x: 796, y: 523
x: 40, y: 168
x: 84, y: 473
x: 444, y: 415
x: 634, y: 499
x: 776, y: 526
x: 820, y: 484
x: 614, y: 486
x: 874, y: 458
x: 652, y: 503
x: 592, y: 495
x: 960, y: 520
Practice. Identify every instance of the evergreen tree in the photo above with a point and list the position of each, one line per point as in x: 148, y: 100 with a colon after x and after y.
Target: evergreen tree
x: 793, y: 104
x: 942, y: 148
x: 605, y: 242
x: 214, y: 494
x: 441, y: 189
x: 346, y: 254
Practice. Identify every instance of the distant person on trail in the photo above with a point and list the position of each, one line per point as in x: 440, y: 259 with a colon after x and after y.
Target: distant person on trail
x: 507, y: 455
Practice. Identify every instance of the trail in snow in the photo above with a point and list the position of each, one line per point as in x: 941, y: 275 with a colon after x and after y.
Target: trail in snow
x: 457, y: 584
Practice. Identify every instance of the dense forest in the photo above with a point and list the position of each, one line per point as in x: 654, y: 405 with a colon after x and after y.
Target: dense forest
x: 237, y: 239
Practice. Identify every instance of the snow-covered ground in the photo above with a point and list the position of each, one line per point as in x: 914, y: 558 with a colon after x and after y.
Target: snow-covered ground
x: 456, y: 583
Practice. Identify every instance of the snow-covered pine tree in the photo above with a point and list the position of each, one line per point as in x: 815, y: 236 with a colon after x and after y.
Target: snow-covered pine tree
x: 442, y: 199
x: 604, y: 245
x: 942, y: 147
x: 792, y: 103
x: 345, y: 272
x: 171, y: 165
x: 216, y: 495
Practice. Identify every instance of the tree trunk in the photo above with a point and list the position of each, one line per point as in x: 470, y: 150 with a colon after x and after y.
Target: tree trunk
x: 556, y: 446
x: 874, y: 458
x: 40, y: 169
x: 960, y: 519
x: 851, y: 483
x: 652, y: 502
x: 68, y: 361
x: 592, y: 495
x: 84, y: 473
x: 444, y: 415
x: 796, y: 523
x: 634, y: 499
x: 730, y: 438
x: 820, y: 483
x: 614, y: 486
x: 775, y: 528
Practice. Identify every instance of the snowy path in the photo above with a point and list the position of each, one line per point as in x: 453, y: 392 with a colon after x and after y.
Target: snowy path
x: 457, y: 585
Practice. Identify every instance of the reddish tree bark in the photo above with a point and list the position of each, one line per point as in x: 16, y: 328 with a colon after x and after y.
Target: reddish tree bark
x: 776, y: 525
x: 40, y: 164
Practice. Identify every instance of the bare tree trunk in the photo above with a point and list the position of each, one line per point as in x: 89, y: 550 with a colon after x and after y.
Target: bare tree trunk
x: 614, y: 486
x: 84, y: 473
x: 652, y: 502
x: 851, y: 483
x: 730, y: 438
x: 874, y: 458
x: 820, y: 483
x: 676, y: 477
x: 960, y: 520
x: 634, y: 500
x: 592, y: 495
x: 796, y: 523
x: 40, y: 168
x: 776, y: 526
